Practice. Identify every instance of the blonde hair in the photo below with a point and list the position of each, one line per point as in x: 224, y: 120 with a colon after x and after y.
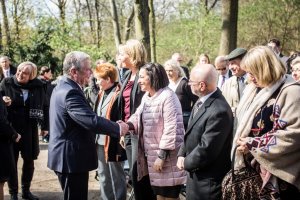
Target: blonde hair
x: 136, y: 52
x: 175, y: 65
x: 33, y: 68
x: 264, y: 65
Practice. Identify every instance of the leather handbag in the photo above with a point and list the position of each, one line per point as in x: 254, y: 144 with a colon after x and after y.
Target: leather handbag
x: 242, y: 184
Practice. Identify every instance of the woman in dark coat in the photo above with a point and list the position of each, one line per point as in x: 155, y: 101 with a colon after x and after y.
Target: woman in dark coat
x: 7, y: 136
x: 28, y: 109
x: 179, y: 84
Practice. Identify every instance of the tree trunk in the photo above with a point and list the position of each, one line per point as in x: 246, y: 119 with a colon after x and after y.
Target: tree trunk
x: 16, y: 20
x: 141, y: 11
x: 90, y: 18
x: 229, y: 26
x: 1, y: 46
x: 152, y: 31
x: 127, y: 27
x: 98, y: 31
x: 77, y: 5
x: 6, y: 32
x: 115, y: 22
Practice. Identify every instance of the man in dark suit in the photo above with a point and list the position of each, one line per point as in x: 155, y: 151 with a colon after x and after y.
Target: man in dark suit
x: 7, y: 69
x: 73, y: 124
x: 205, y: 153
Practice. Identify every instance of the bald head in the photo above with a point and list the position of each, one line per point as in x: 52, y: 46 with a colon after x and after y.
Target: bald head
x: 177, y: 57
x: 206, y: 73
x: 221, y: 65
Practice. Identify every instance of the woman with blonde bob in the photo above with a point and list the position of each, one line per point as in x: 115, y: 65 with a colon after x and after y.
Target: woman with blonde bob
x: 268, y: 128
x: 29, y: 108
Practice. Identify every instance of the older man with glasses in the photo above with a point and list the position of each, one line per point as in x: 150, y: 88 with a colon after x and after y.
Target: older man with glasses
x: 222, y: 69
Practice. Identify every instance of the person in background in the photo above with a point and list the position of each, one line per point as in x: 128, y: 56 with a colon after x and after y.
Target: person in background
x: 178, y: 58
x: 7, y: 69
x: 204, y: 59
x: 275, y: 45
x: 205, y: 153
x: 159, y: 126
x: 73, y: 125
x: 268, y: 126
x: 8, y: 136
x: 234, y: 87
x: 133, y: 55
x: 29, y: 108
x: 46, y: 77
x: 295, y: 68
x: 179, y: 84
x: 120, y: 62
x: 111, y: 155
x: 223, y: 70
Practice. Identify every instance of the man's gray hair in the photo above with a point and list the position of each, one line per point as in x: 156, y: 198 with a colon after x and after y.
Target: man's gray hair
x: 74, y: 59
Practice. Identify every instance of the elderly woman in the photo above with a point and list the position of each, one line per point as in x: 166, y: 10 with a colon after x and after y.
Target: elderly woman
x: 179, y: 84
x: 159, y: 126
x: 111, y: 155
x: 268, y: 125
x: 295, y: 67
x: 28, y: 109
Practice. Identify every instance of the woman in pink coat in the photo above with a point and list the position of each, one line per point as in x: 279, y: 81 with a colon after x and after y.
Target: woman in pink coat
x: 159, y: 124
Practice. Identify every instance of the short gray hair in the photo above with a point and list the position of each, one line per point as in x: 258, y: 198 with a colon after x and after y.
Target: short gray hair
x: 74, y: 59
x: 175, y: 65
x: 33, y: 68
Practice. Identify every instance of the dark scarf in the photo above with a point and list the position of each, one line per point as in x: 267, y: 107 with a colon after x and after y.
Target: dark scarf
x: 34, y: 87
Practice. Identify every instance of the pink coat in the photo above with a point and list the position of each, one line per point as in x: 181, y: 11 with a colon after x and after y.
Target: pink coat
x: 162, y: 125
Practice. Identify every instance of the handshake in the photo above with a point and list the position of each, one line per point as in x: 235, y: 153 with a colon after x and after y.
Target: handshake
x: 124, y: 128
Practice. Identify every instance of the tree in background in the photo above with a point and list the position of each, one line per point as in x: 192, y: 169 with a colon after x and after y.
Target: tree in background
x: 229, y: 26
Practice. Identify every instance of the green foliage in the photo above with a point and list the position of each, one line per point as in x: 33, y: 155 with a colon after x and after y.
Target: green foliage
x: 260, y: 20
x: 192, y: 33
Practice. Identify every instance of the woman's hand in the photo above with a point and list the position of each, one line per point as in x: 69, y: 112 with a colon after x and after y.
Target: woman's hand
x: 243, y: 148
x: 158, y: 164
x: 122, y: 142
x: 18, y: 138
x: 180, y: 163
x: 7, y: 100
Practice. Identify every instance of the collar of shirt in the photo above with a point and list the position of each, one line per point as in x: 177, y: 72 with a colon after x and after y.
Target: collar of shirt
x: 203, y: 99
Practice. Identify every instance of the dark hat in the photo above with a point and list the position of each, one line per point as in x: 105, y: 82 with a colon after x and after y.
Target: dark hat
x: 237, y: 53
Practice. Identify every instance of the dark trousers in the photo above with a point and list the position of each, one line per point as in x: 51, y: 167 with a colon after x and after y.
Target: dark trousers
x: 27, y: 173
x: 74, y: 185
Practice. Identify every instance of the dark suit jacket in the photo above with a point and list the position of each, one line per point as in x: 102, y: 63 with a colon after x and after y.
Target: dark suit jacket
x: 12, y: 72
x: 73, y: 125
x: 207, y: 144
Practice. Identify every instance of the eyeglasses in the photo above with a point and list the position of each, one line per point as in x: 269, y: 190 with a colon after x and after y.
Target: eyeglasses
x: 221, y: 69
x: 295, y: 70
x: 190, y: 82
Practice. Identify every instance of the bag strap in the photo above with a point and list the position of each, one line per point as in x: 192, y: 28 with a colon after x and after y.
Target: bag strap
x: 233, y: 161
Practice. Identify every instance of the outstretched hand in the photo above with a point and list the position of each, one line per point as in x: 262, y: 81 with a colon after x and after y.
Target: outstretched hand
x: 124, y: 128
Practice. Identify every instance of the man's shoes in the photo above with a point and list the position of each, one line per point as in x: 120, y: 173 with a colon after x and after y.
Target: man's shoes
x: 14, y: 197
x: 28, y: 195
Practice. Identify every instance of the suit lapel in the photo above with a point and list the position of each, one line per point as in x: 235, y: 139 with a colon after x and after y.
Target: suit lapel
x: 201, y: 110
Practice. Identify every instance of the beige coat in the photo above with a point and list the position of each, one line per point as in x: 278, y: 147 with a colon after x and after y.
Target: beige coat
x: 230, y: 92
x: 279, y: 152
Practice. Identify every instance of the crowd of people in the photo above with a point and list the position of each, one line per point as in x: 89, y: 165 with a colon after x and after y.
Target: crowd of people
x: 176, y: 129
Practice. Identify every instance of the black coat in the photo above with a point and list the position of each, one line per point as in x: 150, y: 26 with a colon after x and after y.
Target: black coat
x: 206, y: 148
x: 26, y: 116
x: 7, y: 136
